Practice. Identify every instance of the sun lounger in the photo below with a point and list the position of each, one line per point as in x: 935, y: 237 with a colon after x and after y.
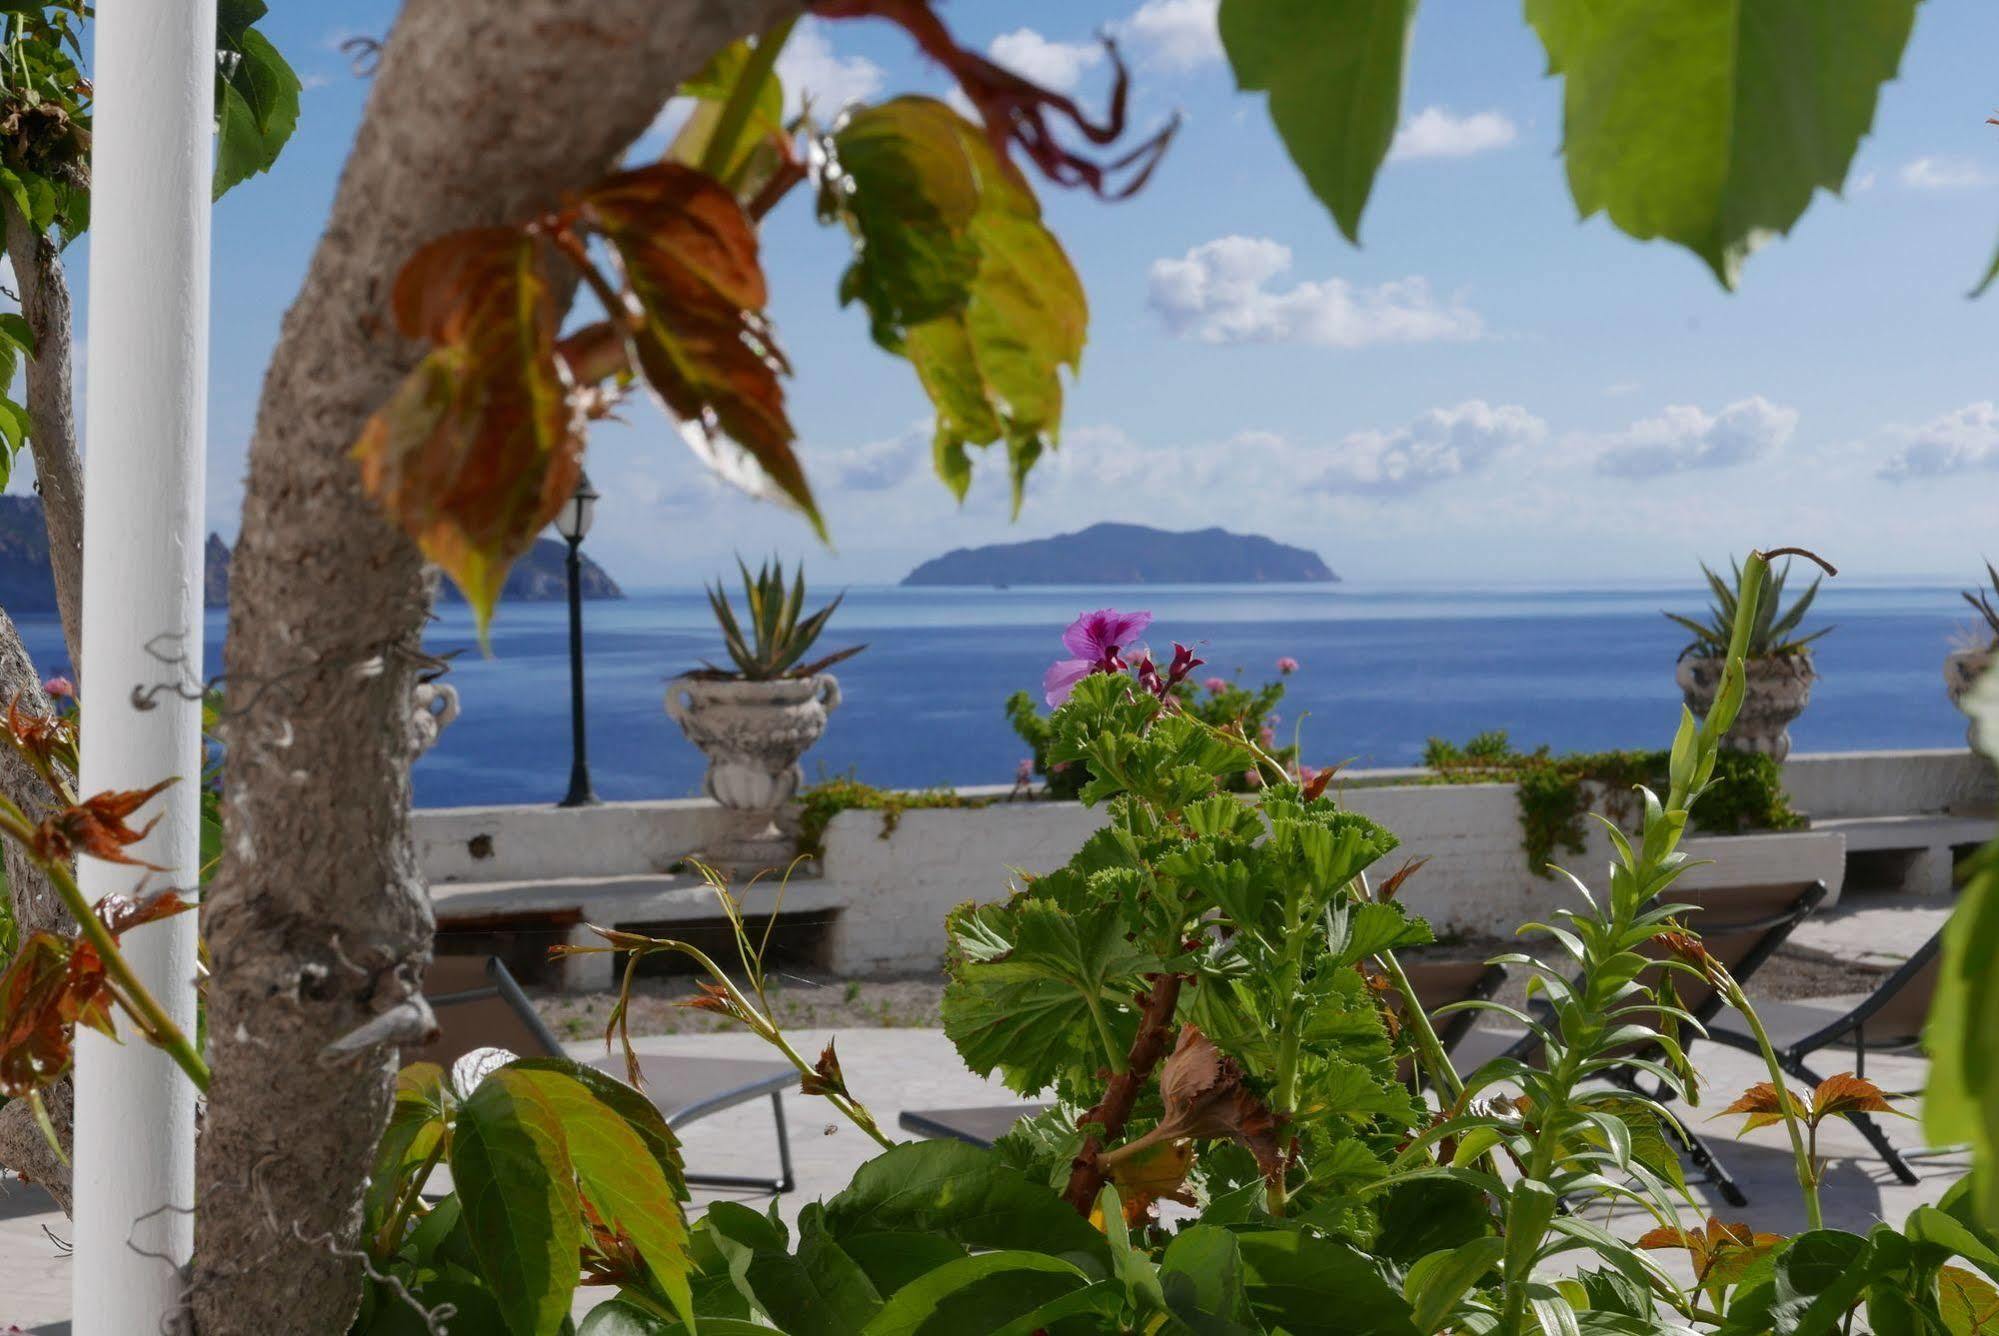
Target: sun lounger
x: 479, y: 1005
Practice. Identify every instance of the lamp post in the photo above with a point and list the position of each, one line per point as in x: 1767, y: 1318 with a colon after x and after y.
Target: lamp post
x: 573, y: 523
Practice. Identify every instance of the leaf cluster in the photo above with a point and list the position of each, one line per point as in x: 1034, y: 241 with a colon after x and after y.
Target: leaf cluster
x: 778, y: 637
x: 1984, y: 603
x: 1774, y: 632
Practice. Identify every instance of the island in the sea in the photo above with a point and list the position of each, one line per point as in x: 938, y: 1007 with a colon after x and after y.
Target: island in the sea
x: 1127, y: 554
x: 28, y: 585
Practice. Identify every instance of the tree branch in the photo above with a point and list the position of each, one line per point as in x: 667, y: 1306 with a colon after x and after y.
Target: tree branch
x: 45, y: 305
x: 482, y: 112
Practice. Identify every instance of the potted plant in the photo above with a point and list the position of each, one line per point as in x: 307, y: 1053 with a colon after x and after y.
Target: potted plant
x: 1969, y: 661
x: 1778, y: 664
x: 755, y: 721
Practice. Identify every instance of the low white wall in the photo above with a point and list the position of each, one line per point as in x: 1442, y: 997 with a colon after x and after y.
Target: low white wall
x: 897, y: 889
x: 891, y: 894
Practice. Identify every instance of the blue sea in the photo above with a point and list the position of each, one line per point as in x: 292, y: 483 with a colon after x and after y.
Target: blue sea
x: 1382, y: 670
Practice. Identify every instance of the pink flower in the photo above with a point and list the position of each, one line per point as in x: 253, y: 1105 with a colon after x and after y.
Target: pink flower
x: 1216, y: 685
x: 1307, y: 773
x: 1268, y: 733
x: 1095, y: 639
x: 1287, y: 664
x: 60, y: 687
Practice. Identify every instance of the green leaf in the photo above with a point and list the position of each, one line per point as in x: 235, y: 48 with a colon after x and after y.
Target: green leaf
x: 1202, y: 1275
x: 977, y: 1296
x: 1699, y: 123
x: 818, y: 1291
x: 1436, y: 1283
x: 510, y: 1166
x: 618, y: 1171
x: 621, y: 1317
x: 711, y: 89
x: 964, y: 1194
x: 256, y: 104
x: 959, y: 275
x: 1312, y: 1286
x: 1333, y: 69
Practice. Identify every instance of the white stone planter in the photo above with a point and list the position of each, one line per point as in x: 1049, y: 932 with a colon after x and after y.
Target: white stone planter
x: 1776, y: 692
x: 752, y: 734
x: 433, y: 705
x: 1960, y: 670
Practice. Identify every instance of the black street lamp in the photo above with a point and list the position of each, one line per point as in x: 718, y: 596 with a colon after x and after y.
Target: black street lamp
x: 572, y: 523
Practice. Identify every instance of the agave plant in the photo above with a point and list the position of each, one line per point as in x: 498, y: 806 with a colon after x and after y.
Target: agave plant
x: 777, y: 638
x: 1774, y: 633
x: 1987, y: 607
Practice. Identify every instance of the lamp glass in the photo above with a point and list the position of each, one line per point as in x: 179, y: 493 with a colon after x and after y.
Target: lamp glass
x: 574, y: 519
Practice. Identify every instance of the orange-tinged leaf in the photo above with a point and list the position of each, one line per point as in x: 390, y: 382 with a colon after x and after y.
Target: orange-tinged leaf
x: 120, y: 914
x: 1761, y: 1103
x: 1721, y: 1251
x: 1159, y: 1171
x: 1846, y: 1094
x: 47, y: 742
x: 1205, y: 1096
x: 826, y: 1077
x: 96, y: 826
x: 699, y: 335
x: 52, y: 985
x: 481, y: 444
x: 1969, y: 1303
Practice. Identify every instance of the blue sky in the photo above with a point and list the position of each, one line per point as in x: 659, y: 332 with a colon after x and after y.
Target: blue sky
x: 1487, y: 391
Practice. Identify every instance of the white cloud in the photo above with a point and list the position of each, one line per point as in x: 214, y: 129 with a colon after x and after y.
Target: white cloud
x: 1442, y: 444
x: 1866, y: 181
x: 808, y: 66
x: 1219, y: 292
x: 1944, y: 174
x: 1437, y: 132
x: 875, y: 466
x: 1056, y: 65
x: 1174, y: 34
x: 1684, y: 437
x: 1963, y: 441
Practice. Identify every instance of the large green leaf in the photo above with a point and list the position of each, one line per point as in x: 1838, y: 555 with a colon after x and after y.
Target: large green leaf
x: 1201, y: 1273
x: 618, y: 1172
x: 959, y: 275
x: 817, y: 1291
x: 1035, y: 989
x: 1333, y: 69
x: 1711, y: 122
x: 1961, y: 1103
x: 978, y: 1296
x: 964, y: 1194
x: 256, y: 99
x: 1313, y: 1286
x: 510, y: 1166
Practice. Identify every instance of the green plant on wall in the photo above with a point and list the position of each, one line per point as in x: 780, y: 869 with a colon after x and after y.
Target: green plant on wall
x: 1557, y: 794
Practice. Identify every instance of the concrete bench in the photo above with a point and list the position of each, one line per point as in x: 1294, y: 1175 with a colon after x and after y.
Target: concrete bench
x: 1917, y: 854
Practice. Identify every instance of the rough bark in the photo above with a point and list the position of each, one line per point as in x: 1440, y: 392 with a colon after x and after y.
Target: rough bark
x: 45, y: 305
x: 36, y: 908
x: 482, y: 111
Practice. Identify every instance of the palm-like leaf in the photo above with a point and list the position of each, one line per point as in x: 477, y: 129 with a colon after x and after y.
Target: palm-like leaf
x: 777, y: 638
x: 1773, y: 633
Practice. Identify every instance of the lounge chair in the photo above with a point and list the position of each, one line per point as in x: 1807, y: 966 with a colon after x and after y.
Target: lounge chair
x: 1889, y: 1019
x: 1437, y: 984
x: 1742, y: 927
x: 479, y: 1005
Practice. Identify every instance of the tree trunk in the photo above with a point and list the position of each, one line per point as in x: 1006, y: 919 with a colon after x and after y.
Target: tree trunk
x: 482, y: 112
x: 52, y: 414
x: 36, y: 908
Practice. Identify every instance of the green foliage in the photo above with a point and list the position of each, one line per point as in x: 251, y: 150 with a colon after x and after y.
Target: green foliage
x: 1557, y: 794
x: 959, y: 275
x: 1985, y: 603
x: 256, y: 96
x: 1248, y: 710
x: 1774, y: 632
x: 777, y: 639
x: 1334, y: 76
x: 818, y: 805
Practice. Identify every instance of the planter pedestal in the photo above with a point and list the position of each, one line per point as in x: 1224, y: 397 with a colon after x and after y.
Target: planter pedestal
x: 1776, y: 692
x: 752, y: 734
x: 1960, y: 671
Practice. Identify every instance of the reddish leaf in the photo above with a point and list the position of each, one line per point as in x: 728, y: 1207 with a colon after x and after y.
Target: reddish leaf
x: 479, y: 447
x: 1721, y: 1252
x: 700, y: 339
x: 47, y: 742
x: 96, y: 826
x: 1845, y: 1094
x: 52, y: 985
x: 1761, y: 1103
x: 1157, y: 1173
x: 826, y: 1077
x: 121, y: 914
x: 1203, y: 1090
x: 1400, y: 877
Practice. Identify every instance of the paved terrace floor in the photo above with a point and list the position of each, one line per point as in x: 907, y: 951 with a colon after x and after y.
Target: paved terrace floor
x: 900, y: 1069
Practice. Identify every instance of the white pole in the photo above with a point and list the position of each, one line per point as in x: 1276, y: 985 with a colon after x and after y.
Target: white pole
x: 146, y: 419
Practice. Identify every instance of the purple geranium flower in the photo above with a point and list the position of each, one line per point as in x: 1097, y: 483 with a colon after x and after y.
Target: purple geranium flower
x: 60, y: 687
x: 1287, y: 664
x: 1095, y: 639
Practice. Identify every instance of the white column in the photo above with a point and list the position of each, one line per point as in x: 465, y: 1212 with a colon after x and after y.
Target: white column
x: 146, y: 425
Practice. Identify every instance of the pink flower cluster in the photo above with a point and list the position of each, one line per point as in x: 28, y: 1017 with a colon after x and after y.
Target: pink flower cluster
x: 1100, y: 642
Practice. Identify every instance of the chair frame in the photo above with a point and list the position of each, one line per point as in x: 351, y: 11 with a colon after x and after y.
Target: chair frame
x: 508, y: 989
x: 1792, y: 1057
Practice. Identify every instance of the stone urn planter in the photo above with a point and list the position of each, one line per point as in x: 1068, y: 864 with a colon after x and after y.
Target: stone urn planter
x: 752, y: 734
x: 1960, y: 670
x: 1777, y: 691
